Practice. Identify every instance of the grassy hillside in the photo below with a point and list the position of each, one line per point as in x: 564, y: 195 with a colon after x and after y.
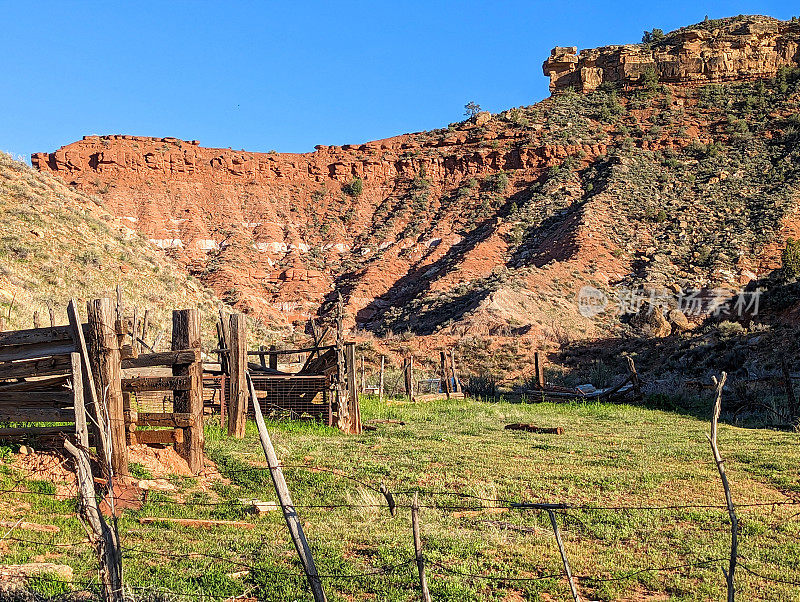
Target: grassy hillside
x: 58, y: 243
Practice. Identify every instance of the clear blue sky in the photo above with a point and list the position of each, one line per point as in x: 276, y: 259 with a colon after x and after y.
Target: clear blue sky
x: 289, y: 75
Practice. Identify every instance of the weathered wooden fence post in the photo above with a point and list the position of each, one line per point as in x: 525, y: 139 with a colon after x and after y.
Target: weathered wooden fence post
x: 380, y: 379
x: 538, y: 362
x: 343, y: 421
x: 352, y: 389
x: 285, y: 499
x: 106, y: 366
x: 423, y: 581
x: 186, y: 335
x: 89, y: 387
x: 103, y: 538
x: 237, y: 338
x: 794, y: 409
x: 634, y: 376
x: 729, y: 574
x: 445, y: 377
x: 81, y: 430
x: 273, y: 358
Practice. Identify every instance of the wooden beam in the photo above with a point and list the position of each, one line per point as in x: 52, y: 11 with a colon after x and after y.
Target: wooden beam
x: 163, y: 437
x: 91, y: 399
x: 11, y: 353
x: 35, y: 397
x: 188, y: 396
x: 51, y: 382
x: 35, y: 431
x: 163, y: 358
x: 285, y: 499
x: 174, y: 419
x: 106, y: 368
x: 237, y: 410
x: 81, y: 428
x: 157, y: 383
x: 352, y: 385
x: 36, y: 414
x: 47, y: 366
x: 36, y: 335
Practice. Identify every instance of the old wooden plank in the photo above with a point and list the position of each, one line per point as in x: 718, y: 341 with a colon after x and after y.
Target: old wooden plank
x: 163, y: 358
x: 162, y: 383
x: 33, y: 398
x: 11, y: 353
x: 46, y: 366
x: 532, y: 428
x: 164, y: 437
x: 174, y: 419
x: 91, y: 406
x: 51, y: 382
x: 32, y: 336
x: 35, y: 431
x: 36, y: 414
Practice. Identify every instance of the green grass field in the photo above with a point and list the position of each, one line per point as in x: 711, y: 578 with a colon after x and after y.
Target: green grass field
x: 608, y: 456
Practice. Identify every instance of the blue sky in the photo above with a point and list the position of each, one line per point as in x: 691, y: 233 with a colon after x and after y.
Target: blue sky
x: 286, y: 76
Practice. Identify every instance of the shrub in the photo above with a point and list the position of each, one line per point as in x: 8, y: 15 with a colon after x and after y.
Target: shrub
x: 354, y: 188
x: 790, y: 259
x: 497, y: 182
x: 649, y: 78
x: 655, y: 35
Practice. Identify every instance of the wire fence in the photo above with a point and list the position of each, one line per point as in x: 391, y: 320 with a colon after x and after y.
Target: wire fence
x: 393, y: 501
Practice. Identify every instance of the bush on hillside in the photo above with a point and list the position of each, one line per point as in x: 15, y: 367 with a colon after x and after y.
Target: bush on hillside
x: 354, y: 188
x: 790, y: 258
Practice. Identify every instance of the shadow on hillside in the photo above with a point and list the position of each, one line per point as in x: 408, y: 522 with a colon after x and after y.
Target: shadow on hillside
x: 417, y: 282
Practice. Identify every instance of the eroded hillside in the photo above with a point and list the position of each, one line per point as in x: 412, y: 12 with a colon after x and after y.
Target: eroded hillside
x: 491, y: 225
x: 58, y: 243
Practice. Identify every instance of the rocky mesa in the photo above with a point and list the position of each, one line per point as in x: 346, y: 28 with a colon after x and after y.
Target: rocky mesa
x: 714, y: 51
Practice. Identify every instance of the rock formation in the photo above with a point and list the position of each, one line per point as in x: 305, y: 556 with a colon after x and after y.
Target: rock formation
x: 491, y: 225
x: 732, y: 49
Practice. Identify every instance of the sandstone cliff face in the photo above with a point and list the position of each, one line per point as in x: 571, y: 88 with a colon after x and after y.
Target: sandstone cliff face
x: 492, y: 225
x: 719, y: 51
x: 273, y: 232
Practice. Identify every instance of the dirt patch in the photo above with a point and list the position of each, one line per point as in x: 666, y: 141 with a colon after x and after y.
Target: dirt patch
x: 51, y: 466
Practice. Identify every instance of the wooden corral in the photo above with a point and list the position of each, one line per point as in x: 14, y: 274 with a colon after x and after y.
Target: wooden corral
x: 48, y: 375
x: 323, y: 388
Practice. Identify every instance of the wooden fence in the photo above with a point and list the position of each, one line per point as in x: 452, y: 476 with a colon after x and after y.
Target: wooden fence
x: 46, y: 373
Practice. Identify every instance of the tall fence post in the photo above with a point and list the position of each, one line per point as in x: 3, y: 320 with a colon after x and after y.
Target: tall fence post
x: 91, y: 398
x: 343, y: 420
x: 539, y: 367
x: 237, y: 414
x: 106, y: 366
x: 445, y: 377
x: 563, y: 552
x: 186, y: 335
x: 285, y: 499
x: 352, y: 389
x: 380, y: 379
x: 103, y: 538
x: 726, y: 488
x: 423, y: 581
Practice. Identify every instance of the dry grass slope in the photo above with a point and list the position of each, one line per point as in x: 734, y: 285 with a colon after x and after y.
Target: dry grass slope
x: 58, y: 243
